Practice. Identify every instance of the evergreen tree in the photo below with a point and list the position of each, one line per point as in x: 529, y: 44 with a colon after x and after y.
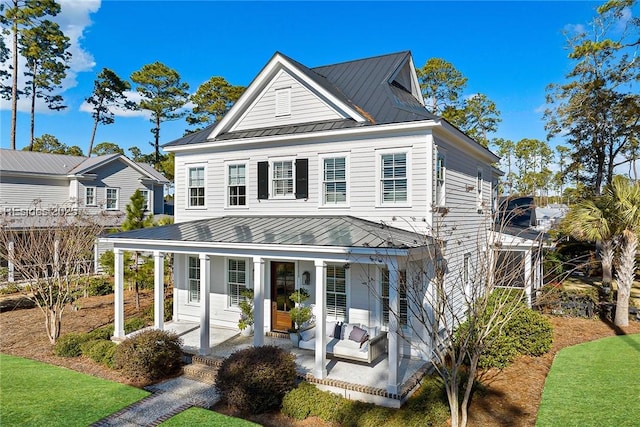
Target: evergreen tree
x: 211, y: 101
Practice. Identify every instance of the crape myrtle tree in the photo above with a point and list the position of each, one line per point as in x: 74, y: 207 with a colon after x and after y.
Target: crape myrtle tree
x: 53, y: 254
x: 447, y: 308
x: 163, y: 94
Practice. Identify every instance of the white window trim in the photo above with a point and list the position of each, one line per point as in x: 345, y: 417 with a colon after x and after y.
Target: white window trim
x: 149, y: 198
x: 399, y: 150
x: 282, y: 105
x: 479, y: 189
x: 272, y: 170
x: 347, y: 289
x: 95, y: 196
x: 347, y: 171
x: 186, y: 186
x: 227, y: 164
x: 188, y: 281
x: 106, y: 199
x: 466, y: 274
x: 248, y: 280
x: 440, y: 201
x: 385, y: 326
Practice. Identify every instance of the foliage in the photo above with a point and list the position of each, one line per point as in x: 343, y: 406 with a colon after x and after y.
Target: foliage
x: 150, y: 355
x: 100, y: 351
x: 107, y: 262
x: 212, y: 100
x: 257, y: 378
x: 300, y: 314
x: 97, y: 286
x: 195, y: 416
x: 39, y: 394
x: 168, y: 310
x: 441, y: 84
x: 108, y: 94
x: 136, y: 217
x: 69, y: 345
x: 246, y: 309
x: 105, y: 148
x: 558, y: 300
x: 163, y: 94
x: 50, y: 144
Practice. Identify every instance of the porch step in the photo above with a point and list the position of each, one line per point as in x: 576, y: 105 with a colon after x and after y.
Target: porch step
x: 203, y: 369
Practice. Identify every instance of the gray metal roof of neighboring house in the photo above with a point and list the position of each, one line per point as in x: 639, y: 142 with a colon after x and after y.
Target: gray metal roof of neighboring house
x: 335, y: 231
x: 365, y: 84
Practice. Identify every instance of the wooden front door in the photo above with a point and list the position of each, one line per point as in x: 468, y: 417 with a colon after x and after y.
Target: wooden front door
x: 283, y: 283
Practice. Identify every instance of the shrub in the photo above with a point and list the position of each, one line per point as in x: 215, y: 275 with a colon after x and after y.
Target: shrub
x: 69, y: 345
x: 134, y: 324
x: 107, y: 261
x: 533, y: 333
x: 150, y: 355
x: 100, y: 351
x: 101, y: 333
x: 257, y: 378
x: 98, y: 286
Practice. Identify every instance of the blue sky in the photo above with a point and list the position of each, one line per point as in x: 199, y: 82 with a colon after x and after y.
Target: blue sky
x: 509, y: 50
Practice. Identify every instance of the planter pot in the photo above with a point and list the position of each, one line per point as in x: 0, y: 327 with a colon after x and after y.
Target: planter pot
x: 246, y: 332
x: 295, y: 338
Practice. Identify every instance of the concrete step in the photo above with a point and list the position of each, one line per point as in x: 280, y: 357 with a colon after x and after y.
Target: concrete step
x: 199, y: 372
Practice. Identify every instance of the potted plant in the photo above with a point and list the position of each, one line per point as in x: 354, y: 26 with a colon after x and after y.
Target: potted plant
x: 300, y: 314
x: 245, y: 324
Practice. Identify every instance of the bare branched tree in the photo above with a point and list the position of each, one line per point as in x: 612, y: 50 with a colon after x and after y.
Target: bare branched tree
x: 51, y: 251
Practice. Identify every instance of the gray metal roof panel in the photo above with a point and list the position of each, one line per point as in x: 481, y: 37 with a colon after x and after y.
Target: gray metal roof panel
x: 36, y: 162
x: 335, y: 231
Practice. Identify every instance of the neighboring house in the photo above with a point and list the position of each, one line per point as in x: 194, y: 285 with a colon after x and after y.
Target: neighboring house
x: 334, y: 179
x: 549, y: 216
x: 37, y: 186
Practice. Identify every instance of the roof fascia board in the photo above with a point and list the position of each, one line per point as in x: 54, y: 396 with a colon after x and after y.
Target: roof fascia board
x: 124, y: 159
x: 35, y: 175
x: 358, y: 131
x: 276, y: 63
x: 462, y: 139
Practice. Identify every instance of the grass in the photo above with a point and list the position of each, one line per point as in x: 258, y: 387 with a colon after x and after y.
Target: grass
x: 201, y: 417
x: 37, y: 394
x: 594, y: 384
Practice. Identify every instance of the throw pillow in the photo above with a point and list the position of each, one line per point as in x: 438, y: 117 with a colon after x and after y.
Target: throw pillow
x: 331, y: 327
x: 337, y: 332
x: 357, y: 333
x: 308, y: 334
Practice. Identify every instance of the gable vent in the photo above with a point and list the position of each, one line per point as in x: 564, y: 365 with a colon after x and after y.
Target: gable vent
x: 283, y: 102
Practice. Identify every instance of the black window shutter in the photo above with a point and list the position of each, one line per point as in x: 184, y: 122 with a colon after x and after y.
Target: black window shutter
x: 263, y: 180
x: 302, y: 181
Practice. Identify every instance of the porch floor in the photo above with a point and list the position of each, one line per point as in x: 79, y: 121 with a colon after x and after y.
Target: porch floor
x: 225, y: 341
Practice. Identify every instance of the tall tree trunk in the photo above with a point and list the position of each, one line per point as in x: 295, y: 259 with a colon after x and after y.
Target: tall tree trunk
x: 14, y: 80
x: 624, y: 275
x: 33, y: 110
x: 157, y: 139
x: 93, y: 135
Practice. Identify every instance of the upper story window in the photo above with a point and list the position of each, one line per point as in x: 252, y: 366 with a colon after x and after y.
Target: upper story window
x: 336, y: 283
x: 193, y: 279
x: 145, y: 196
x: 334, y: 181
x: 236, y: 185
x: 439, y: 196
x: 393, y: 178
x: 282, y: 178
x: 283, y: 102
x: 236, y: 280
x: 403, y: 315
x: 196, y: 187
x: 90, y: 196
x: 479, y: 194
x: 112, y: 198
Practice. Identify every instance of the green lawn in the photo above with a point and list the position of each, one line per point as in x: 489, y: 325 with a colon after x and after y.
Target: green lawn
x: 37, y: 394
x: 594, y: 384
x: 204, y: 417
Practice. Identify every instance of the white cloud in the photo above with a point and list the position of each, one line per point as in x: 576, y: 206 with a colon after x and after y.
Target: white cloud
x: 122, y: 112
x: 74, y: 18
x: 574, y: 29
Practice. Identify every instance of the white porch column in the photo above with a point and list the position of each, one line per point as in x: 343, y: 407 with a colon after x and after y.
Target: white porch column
x: 205, y: 311
x: 96, y: 259
x: 158, y: 290
x: 118, y: 260
x: 320, y: 370
x: 10, y: 257
x: 394, y: 313
x: 528, y: 277
x: 258, y: 302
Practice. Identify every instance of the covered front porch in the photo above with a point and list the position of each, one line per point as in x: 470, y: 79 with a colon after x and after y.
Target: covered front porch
x: 323, y: 253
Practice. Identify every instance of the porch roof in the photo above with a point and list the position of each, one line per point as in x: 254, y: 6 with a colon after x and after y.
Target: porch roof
x: 336, y: 231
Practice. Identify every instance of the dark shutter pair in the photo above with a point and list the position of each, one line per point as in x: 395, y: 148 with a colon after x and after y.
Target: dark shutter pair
x: 302, y: 181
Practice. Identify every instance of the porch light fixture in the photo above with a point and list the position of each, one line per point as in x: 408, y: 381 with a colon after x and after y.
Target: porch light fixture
x: 306, y: 278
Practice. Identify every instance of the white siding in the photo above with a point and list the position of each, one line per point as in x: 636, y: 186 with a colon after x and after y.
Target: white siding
x: 305, y: 106
x: 25, y: 192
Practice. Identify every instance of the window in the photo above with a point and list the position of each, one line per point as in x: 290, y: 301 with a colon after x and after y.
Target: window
x: 479, y: 189
x: 283, y: 102
x: 196, y: 187
x: 145, y: 196
x: 237, y: 280
x: 440, y: 180
x: 194, y: 279
x: 334, y: 182
x: 90, y: 196
x: 393, y: 177
x: 336, y: 283
x: 402, y: 297
x: 237, y: 185
x: 282, y: 182
x: 112, y: 198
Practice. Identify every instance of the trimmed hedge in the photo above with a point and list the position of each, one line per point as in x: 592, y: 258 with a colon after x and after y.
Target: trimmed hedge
x: 149, y: 355
x: 70, y: 345
x: 100, y: 351
x: 256, y: 379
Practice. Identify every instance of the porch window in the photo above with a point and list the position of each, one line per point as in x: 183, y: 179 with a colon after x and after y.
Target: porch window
x: 112, y: 198
x: 402, y: 297
x: 335, y: 181
x: 282, y: 182
x: 237, y: 188
x: 194, y: 279
x: 90, y: 196
x: 145, y: 196
x: 393, y: 178
x: 195, y: 191
x: 439, y: 197
x: 336, y: 283
x: 237, y: 280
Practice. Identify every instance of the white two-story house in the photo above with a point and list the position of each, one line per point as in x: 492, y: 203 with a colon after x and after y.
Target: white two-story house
x: 331, y: 179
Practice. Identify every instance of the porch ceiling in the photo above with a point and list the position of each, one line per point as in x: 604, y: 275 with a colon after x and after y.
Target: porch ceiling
x: 329, y: 231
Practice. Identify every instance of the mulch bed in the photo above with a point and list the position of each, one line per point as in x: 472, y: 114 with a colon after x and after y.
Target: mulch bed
x: 511, y: 396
